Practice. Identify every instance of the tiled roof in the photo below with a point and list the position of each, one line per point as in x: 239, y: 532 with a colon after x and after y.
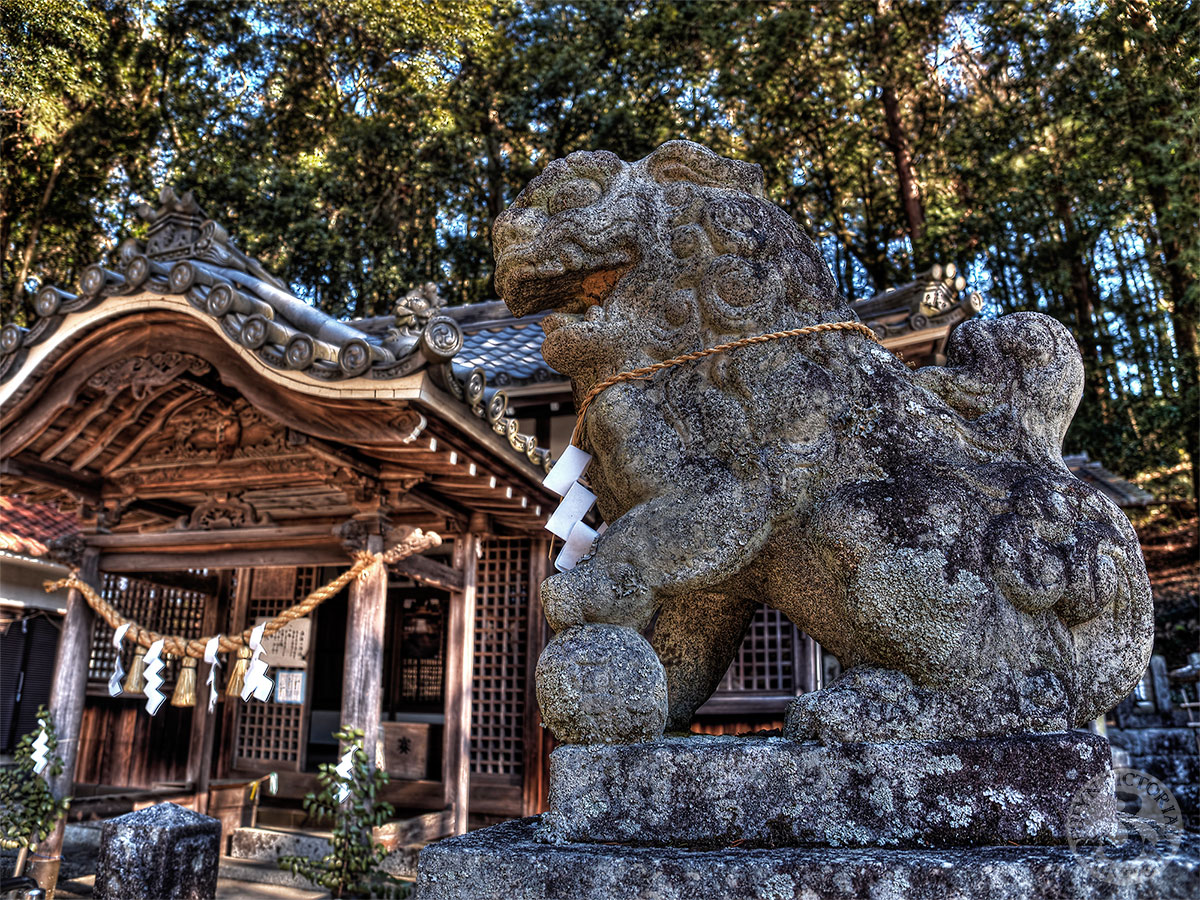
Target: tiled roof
x: 511, y: 351
x: 30, y: 528
x: 1117, y: 489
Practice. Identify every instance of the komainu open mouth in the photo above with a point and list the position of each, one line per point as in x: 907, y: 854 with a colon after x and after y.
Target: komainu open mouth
x: 553, y: 284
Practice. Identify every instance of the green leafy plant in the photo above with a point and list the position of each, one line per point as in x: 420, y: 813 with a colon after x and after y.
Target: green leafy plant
x: 28, y: 809
x: 351, y: 868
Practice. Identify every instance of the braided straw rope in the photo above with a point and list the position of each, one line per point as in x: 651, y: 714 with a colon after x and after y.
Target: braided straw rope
x: 646, y: 371
x: 416, y: 542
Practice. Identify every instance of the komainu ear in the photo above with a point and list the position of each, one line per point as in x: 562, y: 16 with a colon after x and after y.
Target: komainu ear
x: 686, y: 161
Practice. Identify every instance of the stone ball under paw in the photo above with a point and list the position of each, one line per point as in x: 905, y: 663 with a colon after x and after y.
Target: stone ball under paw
x: 602, y: 684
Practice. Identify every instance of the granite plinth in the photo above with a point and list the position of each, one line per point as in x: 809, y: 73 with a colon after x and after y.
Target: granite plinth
x: 704, y: 792
x: 163, y: 851
x: 510, y: 861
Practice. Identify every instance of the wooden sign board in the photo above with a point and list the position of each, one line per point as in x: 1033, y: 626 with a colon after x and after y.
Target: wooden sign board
x: 405, y: 749
x: 287, y: 648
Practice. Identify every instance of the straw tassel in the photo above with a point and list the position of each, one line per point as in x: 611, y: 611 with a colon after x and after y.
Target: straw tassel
x: 185, y: 684
x: 135, y: 683
x: 237, y: 672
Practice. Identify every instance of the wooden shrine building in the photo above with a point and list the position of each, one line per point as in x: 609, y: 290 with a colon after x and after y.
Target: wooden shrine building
x: 226, y: 447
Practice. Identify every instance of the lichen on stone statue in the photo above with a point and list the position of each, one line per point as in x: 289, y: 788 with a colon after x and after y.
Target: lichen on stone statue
x: 920, y: 525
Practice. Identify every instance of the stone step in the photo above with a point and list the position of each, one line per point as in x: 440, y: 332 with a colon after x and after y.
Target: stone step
x: 268, y: 844
x: 261, y: 872
x: 264, y: 846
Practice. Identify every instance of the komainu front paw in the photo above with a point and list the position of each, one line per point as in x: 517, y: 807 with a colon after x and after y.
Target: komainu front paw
x: 592, y: 593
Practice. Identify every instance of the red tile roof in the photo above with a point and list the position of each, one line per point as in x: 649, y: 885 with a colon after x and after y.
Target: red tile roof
x: 29, y: 528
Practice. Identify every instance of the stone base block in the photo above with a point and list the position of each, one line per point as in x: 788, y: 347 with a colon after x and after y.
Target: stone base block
x: 705, y: 792
x: 509, y: 861
x: 163, y: 851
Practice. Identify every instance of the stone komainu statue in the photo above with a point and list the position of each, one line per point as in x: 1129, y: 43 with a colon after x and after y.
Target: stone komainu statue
x: 920, y: 525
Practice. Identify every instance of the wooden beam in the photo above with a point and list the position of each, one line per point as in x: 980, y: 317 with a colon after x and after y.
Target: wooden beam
x: 68, y: 694
x: 188, y: 581
x: 117, y: 425
x: 362, y: 674
x: 76, y: 428
x: 155, y: 425
x: 223, y: 559
x: 277, y: 535
x: 460, y: 655
x: 435, y: 503
x: 424, y: 570
x: 53, y: 475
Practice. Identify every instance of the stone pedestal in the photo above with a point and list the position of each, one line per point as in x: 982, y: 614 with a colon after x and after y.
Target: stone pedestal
x: 510, y: 861
x: 722, y: 818
x: 705, y: 792
x: 164, y: 851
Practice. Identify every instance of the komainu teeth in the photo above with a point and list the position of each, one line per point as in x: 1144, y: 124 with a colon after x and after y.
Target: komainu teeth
x: 551, y: 268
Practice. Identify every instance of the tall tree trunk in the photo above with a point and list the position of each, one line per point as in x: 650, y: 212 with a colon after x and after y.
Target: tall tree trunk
x: 910, y: 194
x: 897, y: 142
x: 36, y: 227
x: 1184, y: 326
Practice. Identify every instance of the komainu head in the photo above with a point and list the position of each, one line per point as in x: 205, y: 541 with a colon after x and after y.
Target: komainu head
x: 643, y: 261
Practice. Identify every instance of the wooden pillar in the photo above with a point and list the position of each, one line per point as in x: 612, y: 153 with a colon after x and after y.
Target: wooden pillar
x: 362, y: 676
x: 227, y: 709
x: 67, y: 697
x: 534, y: 787
x: 200, y: 743
x: 460, y: 656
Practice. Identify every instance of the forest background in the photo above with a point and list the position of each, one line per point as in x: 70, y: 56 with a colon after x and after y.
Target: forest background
x: 362, y: 147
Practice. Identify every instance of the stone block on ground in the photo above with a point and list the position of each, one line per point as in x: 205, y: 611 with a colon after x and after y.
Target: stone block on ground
x: 707, y: 792
x: 163, y: 851
x: 509, y: 861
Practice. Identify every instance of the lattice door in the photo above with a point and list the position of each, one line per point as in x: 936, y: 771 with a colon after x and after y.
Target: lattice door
x: 270, y: 734
x: 498, y: 687
x: 766, y: 662
x: 165, y: 610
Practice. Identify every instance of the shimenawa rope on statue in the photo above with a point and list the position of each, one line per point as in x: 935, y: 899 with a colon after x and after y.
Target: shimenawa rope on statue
x: 646, y: 371
x: 416, y: 542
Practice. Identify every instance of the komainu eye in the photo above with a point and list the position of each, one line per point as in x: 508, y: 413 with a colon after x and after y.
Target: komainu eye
x: 574, y: 195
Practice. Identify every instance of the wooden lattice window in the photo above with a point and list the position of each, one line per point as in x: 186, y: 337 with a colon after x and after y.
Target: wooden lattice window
x: 766, y: 663
x: 162, y: 609
x: 270, y: 733
x: 417, y: 646
x: 498, y: 687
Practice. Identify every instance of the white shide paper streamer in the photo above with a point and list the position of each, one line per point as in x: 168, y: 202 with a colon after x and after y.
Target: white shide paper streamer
x: 257, y: 682
x: 41, y: 750
x: 154, y: 678
x: 574, y: 507
x: 118, y: 675
x: 344, y: 769
x: 579, y: 542
x: 210, y: 657
x: 567, y: 470
x: 566, y: 522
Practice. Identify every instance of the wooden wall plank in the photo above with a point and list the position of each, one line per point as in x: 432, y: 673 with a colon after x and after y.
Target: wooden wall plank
x: 460, y: 653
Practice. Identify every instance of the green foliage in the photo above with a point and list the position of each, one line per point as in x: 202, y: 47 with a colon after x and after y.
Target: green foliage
x: 28, y: 810
x: 361, y: 147
x: 351, y: 868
